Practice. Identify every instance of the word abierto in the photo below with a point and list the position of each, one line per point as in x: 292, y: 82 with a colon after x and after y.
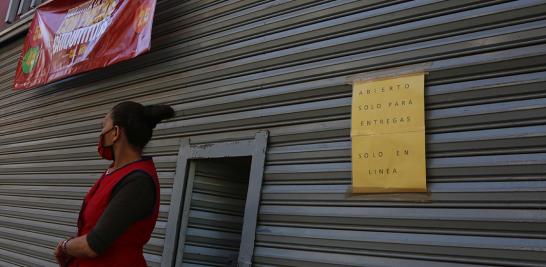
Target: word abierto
x: 390, y: 88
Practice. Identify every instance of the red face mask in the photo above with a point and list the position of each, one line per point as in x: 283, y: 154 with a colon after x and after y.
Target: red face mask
x: 105, y: 152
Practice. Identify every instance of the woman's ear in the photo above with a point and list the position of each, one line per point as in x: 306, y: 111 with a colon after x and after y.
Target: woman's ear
x: 117, y: 134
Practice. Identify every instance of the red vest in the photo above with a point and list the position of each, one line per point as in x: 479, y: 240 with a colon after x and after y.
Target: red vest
x: 126, y: 250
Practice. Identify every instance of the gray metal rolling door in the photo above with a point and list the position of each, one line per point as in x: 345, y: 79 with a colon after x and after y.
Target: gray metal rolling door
x: 216, y: 214
x: 231, y: 67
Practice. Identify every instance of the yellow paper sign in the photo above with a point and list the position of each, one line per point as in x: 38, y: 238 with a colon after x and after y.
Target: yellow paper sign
x: 388, y: 135
x: 389, y: 106
x: 389, y: 163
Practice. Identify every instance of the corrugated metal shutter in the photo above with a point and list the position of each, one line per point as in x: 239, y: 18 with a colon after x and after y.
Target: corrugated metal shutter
x: 231, y: 67
x: 218, y: 192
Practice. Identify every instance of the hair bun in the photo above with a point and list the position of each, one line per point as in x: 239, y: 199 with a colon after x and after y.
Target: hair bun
x: 156, y: 113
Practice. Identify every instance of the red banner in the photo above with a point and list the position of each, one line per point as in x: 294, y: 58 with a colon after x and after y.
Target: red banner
x: 68, y: 37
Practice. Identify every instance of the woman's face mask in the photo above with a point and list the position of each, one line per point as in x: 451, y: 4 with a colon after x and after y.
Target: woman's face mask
x: 106, y: 152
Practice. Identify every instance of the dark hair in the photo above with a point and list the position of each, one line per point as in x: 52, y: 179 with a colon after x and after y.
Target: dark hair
x: 138, y: 121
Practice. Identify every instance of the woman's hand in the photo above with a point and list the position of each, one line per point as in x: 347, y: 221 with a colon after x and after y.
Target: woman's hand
x: 59, y: 253
x: 60, y: 256
x: 77, y: 247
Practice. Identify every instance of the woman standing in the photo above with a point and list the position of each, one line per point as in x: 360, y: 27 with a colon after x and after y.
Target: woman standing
x: 119, y: 212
